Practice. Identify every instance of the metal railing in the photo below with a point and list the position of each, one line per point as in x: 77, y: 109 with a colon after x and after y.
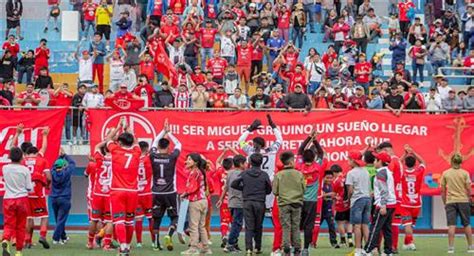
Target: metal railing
x: 460, y: 74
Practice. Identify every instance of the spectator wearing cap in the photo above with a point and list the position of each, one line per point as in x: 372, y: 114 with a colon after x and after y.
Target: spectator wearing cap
x: 339, y: 100
x: 175, y: 51
x: 414, y: 99
x: 468, y: 102
x: 384, y: 202
x: 456, y: 196
x: 374, y: 24
x: 418, y: 53
x: 297, y: 99
x: 443, y: 88
x: 85, y: 62
x: 398, y: 48
x: 433, y: 100
x: 315, y: 70
x: 358, y: 100
x: 450, y: 21
x: 376, y: 101
x: 358, y: 190
x: 452, y: 103
x: 360, y: 33
x: 362, y: 71
x: 322, y: 99
x: 93, y: 98
x: 237, y: 100
x: 417, y: 31
x: 298, y: 21
x: 260, y: 100
x: 61, y: 193
x: 439, y: 53
x: 394, y: 101
x: 123, y: 23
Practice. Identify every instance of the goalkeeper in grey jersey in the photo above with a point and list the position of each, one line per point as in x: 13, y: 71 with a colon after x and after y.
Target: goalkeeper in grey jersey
x: 258, y: 146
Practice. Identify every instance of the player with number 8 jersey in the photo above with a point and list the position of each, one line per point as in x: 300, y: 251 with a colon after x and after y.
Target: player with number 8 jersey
x: 165, y: 197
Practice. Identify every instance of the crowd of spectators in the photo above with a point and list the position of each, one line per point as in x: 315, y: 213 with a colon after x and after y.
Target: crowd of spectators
x: 223, y: 50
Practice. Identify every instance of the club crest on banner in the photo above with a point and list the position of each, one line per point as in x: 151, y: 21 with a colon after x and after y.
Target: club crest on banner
x: 137, y: 123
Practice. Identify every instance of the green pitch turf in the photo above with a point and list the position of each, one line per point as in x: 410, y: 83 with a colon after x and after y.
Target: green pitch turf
x: 427, y: 246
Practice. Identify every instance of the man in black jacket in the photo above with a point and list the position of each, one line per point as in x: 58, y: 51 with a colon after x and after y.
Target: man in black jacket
x: 164, y: 98
x: 255, y: 186
x: 297, y: 99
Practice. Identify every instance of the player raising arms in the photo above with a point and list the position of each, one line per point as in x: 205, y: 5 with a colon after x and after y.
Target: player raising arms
x: 41, y: 177
x: 100, y: 204
x: 165, y: 197
x: 124, y: 186
x: 145, y: 198
x: 412, y: 178
x: 258, y: 146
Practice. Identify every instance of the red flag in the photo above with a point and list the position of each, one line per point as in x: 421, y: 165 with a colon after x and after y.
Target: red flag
x: 129, y: 104
x: 165, y: 66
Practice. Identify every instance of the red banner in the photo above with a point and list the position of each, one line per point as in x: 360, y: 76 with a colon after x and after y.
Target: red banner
x: 434, y: 137
x: 35, y: 121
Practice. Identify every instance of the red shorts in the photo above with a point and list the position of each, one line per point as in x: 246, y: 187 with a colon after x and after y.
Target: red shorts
x: 100, y: 208
x: 225, y: 215
x: 397, y: 216
x: 409, y: 215
x: 38, y: 207
x: 244, y: 71
x: 123, y: 205
x: 145, y: 206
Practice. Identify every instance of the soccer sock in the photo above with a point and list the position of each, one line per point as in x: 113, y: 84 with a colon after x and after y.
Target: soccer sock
x: 150, y: 228
x: 224, y: 229
x: 121, y: 233
x: 408, y: 239
x: 43, y: 231
x: 349, y: 235
x: 315, y: 234
x: 171, y: 231
x: 139, y: 230
x: 107, y: 240
x: 343, y: 239
x: 129, y: 231
x: 90, y: 237
x: 395, y: 232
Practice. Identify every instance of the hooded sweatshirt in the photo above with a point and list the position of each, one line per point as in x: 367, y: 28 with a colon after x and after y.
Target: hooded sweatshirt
x: 254, y: 183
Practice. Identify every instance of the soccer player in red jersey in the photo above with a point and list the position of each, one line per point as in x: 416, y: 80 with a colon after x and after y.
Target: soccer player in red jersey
x: 145, y: 198
x: 412, y: 178
x: 124, y: 186
x: 396, y: 168
x: 311, y: 162
x: 41, y: 177
x: 342, y: 206
x: 89, y: 173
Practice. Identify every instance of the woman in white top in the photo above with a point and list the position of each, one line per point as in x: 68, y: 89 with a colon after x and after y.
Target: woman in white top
x: 315, y: 70
x: 116, y: 63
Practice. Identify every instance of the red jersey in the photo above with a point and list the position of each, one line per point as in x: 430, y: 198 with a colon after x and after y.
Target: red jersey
x: 32, y: 95
x: 328, y: 59
x: 38, y: 166
x: 122, y: 96
x: 362, y: 67
x: 244, y: 56
x: 53, y: 2
x: 198, y: 78
x: 14, y: 49
x: 403, y: 10
x: 172, y: 30
x: 148, y: 69
x: 125, y: 163
x: 296, y: 78
x: 90, y: 174
x: 217, y: 67
x: 291, y: 59
x: 41, y: 57
x: 338, y: 187
x: 157, y: 8
x: 276, y: 99
x: 63, y: 100
x: 219, y: 178
x: 411, y: 187
x: 89, y: 11
x: 102, y: 174
x: 145, y: 92
x: 257, y: 53
x: 177, y: 6
x: 284, y: 20
x: 195, y: 186
x: 311, y: 172
x: 145, y: 173
x: 396, y: 168
x: 208, y: 36
x: 218, y: 100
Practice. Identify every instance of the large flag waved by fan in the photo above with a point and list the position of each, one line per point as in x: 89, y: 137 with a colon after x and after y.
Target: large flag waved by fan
x: 165, y: 66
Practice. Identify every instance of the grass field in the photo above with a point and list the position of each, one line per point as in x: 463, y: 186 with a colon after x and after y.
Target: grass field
x: 429, y: 246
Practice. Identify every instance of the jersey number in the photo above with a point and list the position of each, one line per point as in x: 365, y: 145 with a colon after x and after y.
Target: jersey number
x: 265, y: 163
x: 129, y: 159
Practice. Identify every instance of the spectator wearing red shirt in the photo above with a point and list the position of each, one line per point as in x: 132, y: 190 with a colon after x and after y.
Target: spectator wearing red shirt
x: 12, y: 46
x: 63, y: 98
x: 283, y: 25
x: 362, y: 71
x: 295, y: 77
x: 28, y: 98
x: 244, y: 63
x: 358, y: 100
x: 169, y: 31
x: 209, y: 83
x: 88, y: 8
x: 340, y: 30
x: 469, y: 63
x: 414, y: 99
x: 147, y: 66
x: 277, y: 97
x: 145, y: 91
x: 123, y: 94
x: 257, y: 54
x: 217, y: 66
x: 329, y: 57
x: 177, y: 6
x: 42, y: 55
x: 219, y: 99
x: 321, y: 99
x: 339, y: 99
x: 207, y: 38
x: 290, y: 55
x: 403, y: 7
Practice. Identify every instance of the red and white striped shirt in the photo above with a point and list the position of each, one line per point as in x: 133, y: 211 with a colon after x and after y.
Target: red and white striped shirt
x: 181, y: 99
